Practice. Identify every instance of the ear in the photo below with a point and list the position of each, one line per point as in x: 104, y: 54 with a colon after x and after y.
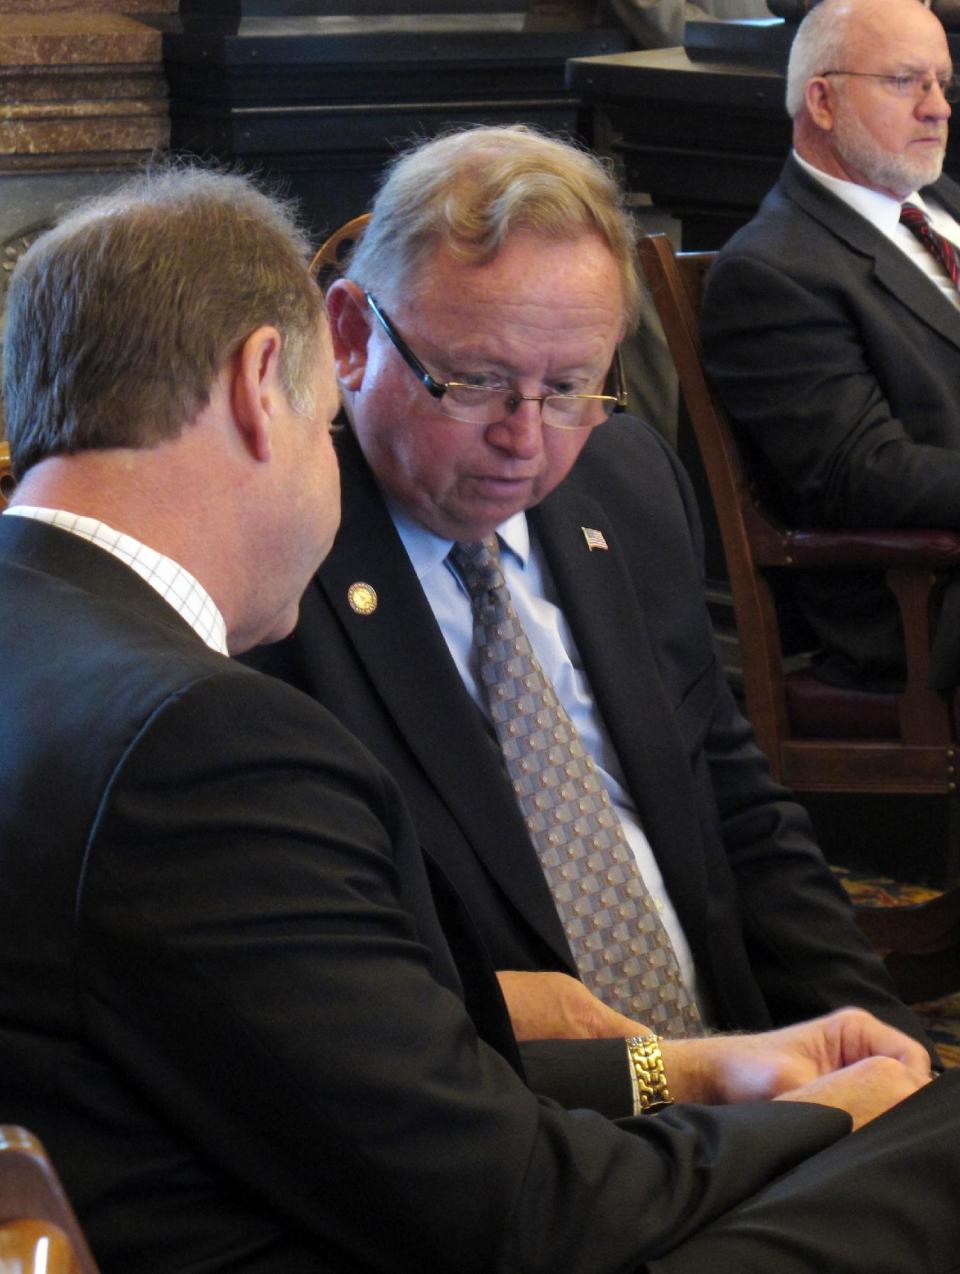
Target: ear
x: 819, y: 103
x: 350, y: 331
x: 257, y: 390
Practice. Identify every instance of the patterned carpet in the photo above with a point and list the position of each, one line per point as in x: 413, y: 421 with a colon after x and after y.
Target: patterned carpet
x: 941, y: 1017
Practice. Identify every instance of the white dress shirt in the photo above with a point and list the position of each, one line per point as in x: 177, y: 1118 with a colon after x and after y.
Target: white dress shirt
x: 532, y: 590
x: 883, y: 213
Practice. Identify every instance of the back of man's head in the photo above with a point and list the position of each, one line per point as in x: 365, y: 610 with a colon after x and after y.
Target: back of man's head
x: 470, y: 189
x: 119, y: 318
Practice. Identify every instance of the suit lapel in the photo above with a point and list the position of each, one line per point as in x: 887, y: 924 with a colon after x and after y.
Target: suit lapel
x: 892, y: 269
x: 600, y: 601
x: 406, y: 658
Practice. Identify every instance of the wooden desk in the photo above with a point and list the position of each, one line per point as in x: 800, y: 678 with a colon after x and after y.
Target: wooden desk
x: 325, y: 101
x: 706, y: 139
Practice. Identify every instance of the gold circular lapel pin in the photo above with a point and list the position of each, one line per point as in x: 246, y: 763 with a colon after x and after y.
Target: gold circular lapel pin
x: 362, y: 598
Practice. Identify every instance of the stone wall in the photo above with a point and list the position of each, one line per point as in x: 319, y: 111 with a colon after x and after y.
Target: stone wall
x: 81, y: 83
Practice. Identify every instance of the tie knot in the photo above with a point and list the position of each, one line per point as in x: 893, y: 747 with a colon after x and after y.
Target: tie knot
x: 913, y: 216
x: 479, y: 565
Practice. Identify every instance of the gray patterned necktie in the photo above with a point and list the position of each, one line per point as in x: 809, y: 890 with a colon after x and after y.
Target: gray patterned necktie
x: 623, y: 953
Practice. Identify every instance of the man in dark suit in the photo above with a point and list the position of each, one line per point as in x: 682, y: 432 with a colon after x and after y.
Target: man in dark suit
x: 227, y: 1005
x: 605, y: 569
x: 830, y: 331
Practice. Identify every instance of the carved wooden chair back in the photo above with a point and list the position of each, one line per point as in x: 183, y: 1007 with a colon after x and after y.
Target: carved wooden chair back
x: 818, y: 738
x: 6, y: 475
x: 38, y: 1228
x: 330, y: 257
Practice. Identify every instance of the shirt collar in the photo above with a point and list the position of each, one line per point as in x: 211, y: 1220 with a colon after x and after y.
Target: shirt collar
x: 427, y: 551
x: 881, y: 211
x: 173, y: 582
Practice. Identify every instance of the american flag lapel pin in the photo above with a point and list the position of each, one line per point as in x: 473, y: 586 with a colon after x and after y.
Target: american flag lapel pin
x: 594, y: 538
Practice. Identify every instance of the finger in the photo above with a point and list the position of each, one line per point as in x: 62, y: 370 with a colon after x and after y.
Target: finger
x: 864, y: 1090
x: 863, y: 1036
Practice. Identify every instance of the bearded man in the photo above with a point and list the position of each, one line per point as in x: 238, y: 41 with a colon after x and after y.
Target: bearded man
x: 830, y: 323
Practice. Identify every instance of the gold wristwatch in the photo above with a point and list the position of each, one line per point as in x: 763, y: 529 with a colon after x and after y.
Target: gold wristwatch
x: 649, y: 1080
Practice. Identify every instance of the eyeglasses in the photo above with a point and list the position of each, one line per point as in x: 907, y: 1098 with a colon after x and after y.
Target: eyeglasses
x: 915, y: 85
x: 477, y: 404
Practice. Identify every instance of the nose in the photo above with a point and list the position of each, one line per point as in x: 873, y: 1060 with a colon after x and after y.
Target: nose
x: 521, y: 431
x: 934, y: 104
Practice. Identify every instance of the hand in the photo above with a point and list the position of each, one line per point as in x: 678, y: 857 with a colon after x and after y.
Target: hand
x: 864, y: 1090
x: 545, y: 1006
x: 739, y: 1068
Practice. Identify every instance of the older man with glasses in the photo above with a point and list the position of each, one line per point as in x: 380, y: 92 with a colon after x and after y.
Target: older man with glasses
x: 830, y: 323
x: 513, y: 620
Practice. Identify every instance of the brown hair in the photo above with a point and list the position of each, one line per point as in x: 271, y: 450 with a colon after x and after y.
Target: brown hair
x: 119, y: 318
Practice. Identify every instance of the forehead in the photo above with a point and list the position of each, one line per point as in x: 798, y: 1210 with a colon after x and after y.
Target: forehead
x: 899, y: 33
x: 530, y: 279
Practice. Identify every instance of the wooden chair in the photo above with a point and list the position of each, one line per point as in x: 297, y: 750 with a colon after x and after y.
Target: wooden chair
x: 39, y: 1233
x: 6, y: 475
x: 35, y: 1247
x: 330, y: 256
x: 819, y: 738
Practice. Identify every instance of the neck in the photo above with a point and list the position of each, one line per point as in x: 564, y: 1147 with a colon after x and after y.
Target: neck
x: 147, y: 494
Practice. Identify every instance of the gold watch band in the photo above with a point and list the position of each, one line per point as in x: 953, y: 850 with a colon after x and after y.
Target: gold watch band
x: 647, y: 1075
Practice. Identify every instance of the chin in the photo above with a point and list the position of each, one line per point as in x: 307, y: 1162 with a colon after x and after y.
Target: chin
x: 280, y: 626
x: 283, y: 625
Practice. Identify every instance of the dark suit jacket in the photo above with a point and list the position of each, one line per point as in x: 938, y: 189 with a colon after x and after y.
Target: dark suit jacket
x: 839, y: 362
x: 226, y: 1003
x: 771, y: 932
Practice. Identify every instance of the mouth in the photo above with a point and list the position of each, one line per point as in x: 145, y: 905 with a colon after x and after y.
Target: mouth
x: 496, y: 484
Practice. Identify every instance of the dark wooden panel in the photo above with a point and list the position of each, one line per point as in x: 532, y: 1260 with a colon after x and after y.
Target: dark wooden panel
x: 324, y: 101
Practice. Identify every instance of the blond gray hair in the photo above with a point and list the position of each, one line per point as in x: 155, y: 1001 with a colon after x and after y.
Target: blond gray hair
x: 469, y: 189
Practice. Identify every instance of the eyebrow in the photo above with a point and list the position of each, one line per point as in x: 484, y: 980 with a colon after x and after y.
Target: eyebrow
x: 912, y: 68
x: 474, y: 360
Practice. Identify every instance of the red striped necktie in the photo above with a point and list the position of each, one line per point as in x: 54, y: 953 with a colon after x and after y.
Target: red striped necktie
x: 917, y: 221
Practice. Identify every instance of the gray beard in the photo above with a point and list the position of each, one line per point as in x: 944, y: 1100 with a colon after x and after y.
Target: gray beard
x: 860, y: 152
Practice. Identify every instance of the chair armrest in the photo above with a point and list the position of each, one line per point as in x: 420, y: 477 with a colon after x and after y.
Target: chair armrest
x: 914, y: 561
x: 936, y: 550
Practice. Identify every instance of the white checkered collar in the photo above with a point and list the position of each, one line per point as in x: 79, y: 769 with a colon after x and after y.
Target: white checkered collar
x: 174, y: 584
